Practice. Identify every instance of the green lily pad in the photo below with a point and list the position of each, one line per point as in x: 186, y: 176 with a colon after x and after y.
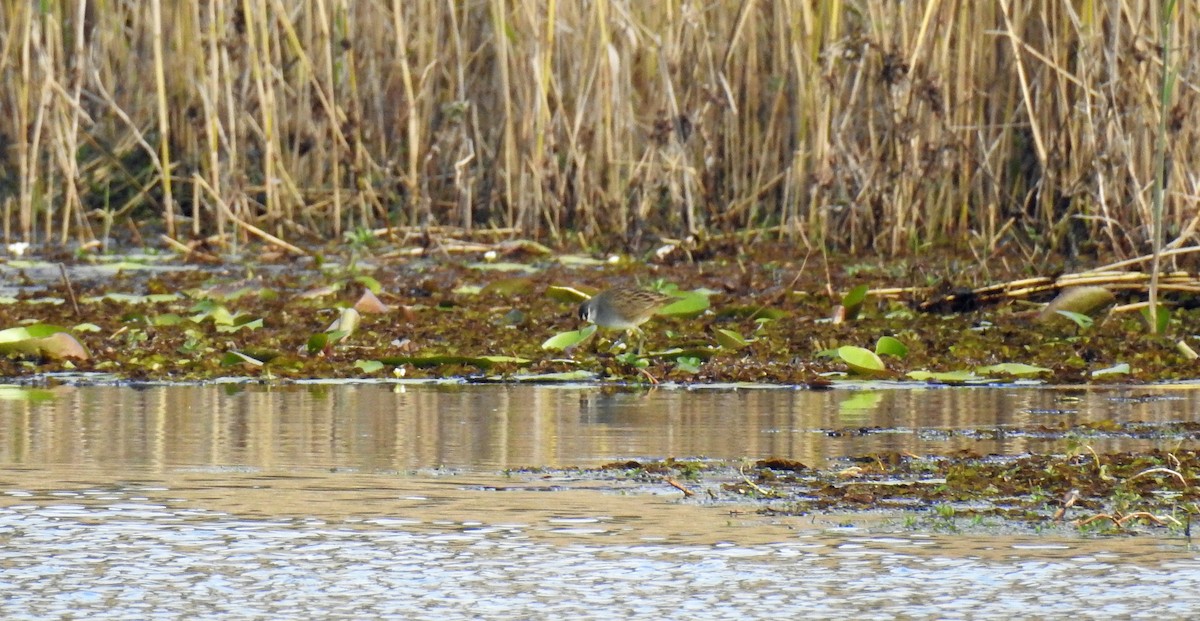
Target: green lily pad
x: 579, y: 260
x: 508, y: 286
x: 1012, y: 368
x: 42, y: 340
x: 853, y: 300
x: 503, y: 266
x: 565, y: 376
x: 891, y: 346
x: 704, y: 352
x: 730, y: 339
x: 570, y: 295
x: 945, y: 377
x: 690, y: 304
x: 368, y: 366
x: 861, y: 360
x: 233, y: 358
x: 239, y: 323
x: 563, y: 340
x: 755, y: 313
x: 370, y: 283
x: 1117, y: 369
x: 482, y: 362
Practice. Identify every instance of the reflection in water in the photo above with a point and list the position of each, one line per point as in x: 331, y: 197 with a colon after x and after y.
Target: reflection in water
x: 258, y: 502
x: 407, y: 427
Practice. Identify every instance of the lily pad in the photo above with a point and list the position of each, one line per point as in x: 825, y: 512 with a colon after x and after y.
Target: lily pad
x: 891, y: 346
x: 563, y: 340
x: 852, y: 302
x: 1117, y: 369
x: 945, y: 377
x: 565, y: 376
x: 508, y: 286
x: 570, y: 295
x: 861, y: 360
x: 42, y: 340
x: 368, y: 366
x: 730, y: 339
x: 690, y: 304
x: 482, y: 362
x: 234, y: 358
x: 504, y: 266
x: 1012, y: 368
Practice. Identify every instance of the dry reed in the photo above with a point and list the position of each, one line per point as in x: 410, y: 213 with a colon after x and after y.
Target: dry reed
x: 863, y: 125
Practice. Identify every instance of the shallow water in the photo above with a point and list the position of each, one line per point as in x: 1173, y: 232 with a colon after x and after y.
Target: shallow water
x: 344, y: 501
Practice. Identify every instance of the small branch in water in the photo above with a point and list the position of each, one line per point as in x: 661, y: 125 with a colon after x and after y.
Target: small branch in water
x: 679, y: 486
x: 70, y: 290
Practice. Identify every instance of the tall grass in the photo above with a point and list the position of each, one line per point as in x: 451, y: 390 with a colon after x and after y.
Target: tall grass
x: 864, y: 125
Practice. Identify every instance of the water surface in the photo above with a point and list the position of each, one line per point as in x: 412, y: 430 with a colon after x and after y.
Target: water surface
x: 368, y: 501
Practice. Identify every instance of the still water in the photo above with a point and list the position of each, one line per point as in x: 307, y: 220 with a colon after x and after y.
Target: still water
x: 391, y: 501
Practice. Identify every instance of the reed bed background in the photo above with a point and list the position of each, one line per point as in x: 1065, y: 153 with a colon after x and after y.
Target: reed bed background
x: 862, y: 125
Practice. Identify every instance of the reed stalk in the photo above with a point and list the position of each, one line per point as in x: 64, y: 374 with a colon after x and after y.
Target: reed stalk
x: 883, y: 127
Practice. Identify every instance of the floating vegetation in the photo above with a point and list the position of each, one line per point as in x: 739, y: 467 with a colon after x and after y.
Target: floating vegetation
x: 1089, y: 492
x: 445, y: 319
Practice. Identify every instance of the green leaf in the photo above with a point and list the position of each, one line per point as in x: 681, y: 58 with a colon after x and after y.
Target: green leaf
x: 729, y: 339
x: 1083, y: 321
x: 370, y: 283
x: 236, y: 357
x: 563, y: 340
x: 570, y: 295
x: 691, y: 303
x: 891, y: 346
x: 166, y: 319
x: 482, y: 362
x: 42, y: 340
x: 346, y: 323
x: 1163, y: 317
x: 502, y: 360
x: 506, y: 287
x: 633, y: 360
x: 240, y: 322
x: 853, y: 300
x: 861, y: 360
x: 946, y: 377
x: 368, y: 366
x: 687, y: 364
x: 1012, y: 368
x: 580, y: 260
x: 503, y: 266
x: 565, y: 376
x: 1117, y: 369
x: 317, y: 342
x: 756, y: 313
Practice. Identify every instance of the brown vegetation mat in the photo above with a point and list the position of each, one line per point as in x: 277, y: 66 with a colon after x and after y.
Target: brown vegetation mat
x: 1108, y: 493
x: 446, y: 312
